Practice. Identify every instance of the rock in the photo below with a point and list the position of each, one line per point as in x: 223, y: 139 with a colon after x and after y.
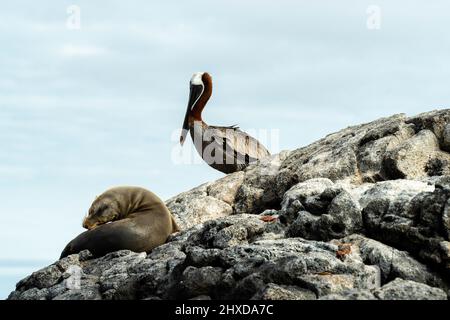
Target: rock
x: 328, y: 213
x: 339, y: 155
x: 201, y: 281
x: 257, y: 191
x: 396, y: 191
x: 435, y: 121
x: 294, y: 261
x: 411, y: 158
x: 276, y: 292
x: 225, y: 189
x: 30, y: 294
x: 393, y: 263
x: 196, y: 206
x: 412, y: 224
x: 160, y: 273
x: 377, y: 143
x: 361, y: 214
x: 397, y: 289
x: 446, y: 138
x: 304, y: 190
x: 350, y: 295
x: 85, y: 255
x: 85, y: 294
x: 202, y: 297
x: 446, y: 219
x: 400, y: 289
x: 41, y: 279
x: 357, y: 154
x: 229, y: 231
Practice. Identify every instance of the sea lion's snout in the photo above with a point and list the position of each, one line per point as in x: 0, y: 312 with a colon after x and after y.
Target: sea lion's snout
x: 84, y: 223
x: 88, y: 223
x: 101, y: 211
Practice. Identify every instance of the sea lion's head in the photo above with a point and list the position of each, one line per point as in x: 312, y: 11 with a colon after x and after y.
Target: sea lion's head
x: 102, y: 210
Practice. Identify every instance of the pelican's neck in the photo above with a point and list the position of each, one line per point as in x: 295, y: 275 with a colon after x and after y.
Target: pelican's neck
x: 196, y: 113
x: 197, y: 126
x: 197, y: 131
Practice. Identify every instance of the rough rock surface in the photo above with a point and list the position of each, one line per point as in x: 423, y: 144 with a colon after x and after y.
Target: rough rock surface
x: 363, y: 213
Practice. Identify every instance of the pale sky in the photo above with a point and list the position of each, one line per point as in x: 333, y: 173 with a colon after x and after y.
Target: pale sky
x: 84, y: 110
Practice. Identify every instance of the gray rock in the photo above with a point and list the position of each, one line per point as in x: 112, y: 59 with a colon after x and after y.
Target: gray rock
x: 41, y: 279
x: 377, y: 143
x: 415, y: 224
x: 82, y: 294
x: 273, y: 291
x: 394, y: 263
x: 257, y: 192
x: 84, y: 255
x: 435, y: 121
x: 396, y: 191
x: 158, y: 275
x: 409, y: 160
x: 229, y: 231
x: 357, y: 154
x: 304, y: 190
x: 339, y: 156
x: 446, y: 138
x: 446, y: 219
x: 30, y: 294
x: 400, y: 289
x: 196, y: 206
x: 350, y: 295
x: 201, y: 281
x: 332, y: 214
x: 293, y: 261
x: 225, y: 189
x: 202, y: 297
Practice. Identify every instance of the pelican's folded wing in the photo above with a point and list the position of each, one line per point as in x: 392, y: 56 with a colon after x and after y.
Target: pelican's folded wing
x: 237, y: 145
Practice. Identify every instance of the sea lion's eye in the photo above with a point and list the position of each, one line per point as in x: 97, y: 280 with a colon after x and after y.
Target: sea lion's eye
x: 100, y: 210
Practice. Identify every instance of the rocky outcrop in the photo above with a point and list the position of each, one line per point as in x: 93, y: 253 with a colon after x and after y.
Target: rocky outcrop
x: 363, y: 213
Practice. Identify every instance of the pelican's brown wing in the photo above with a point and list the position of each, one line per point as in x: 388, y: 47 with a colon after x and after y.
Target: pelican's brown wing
x: 236, y: 144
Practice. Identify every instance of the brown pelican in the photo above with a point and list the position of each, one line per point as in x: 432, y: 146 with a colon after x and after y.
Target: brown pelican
x: 226, y: 149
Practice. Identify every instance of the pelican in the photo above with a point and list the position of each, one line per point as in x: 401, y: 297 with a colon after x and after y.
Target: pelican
x: 226, y: 149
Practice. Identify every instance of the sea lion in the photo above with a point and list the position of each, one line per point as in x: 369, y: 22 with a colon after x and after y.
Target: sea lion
x: 130, y: 218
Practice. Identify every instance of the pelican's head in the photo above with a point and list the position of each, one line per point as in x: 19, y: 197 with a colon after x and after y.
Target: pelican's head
x: 197, y: 79
x: 197, y: 87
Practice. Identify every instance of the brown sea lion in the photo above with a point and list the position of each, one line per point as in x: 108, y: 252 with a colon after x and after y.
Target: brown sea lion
x: 129, y: 218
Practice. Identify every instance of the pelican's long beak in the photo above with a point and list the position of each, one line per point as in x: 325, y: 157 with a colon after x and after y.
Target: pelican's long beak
x: 194, y: 93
